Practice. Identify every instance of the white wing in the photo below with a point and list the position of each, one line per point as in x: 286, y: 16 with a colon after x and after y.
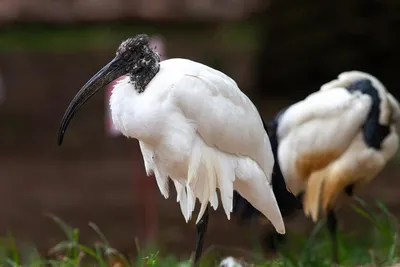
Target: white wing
x: 226, y: 119
x: 317, y: 130
x: 224, y: 116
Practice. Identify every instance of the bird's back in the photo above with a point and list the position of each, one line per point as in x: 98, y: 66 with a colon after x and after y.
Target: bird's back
x: 191, y: 66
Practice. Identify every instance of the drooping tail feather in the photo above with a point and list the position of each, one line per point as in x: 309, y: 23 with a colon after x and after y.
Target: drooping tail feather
x: 287, y: 202
x: 212, y: 182
x: 194, y: 187
x: 333, y: 185
x: 162, y: 181
x: 202, y: 178
x: 322, y: 190
x: 191, y: 201
x: 181, y: 197
x: 259, y: 193
x: 207, y: 189
x: 209, y: 168
x: 312, y: 194
x: 225, y: 178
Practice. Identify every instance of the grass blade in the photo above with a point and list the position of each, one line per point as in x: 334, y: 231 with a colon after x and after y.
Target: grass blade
x: 63, y: 225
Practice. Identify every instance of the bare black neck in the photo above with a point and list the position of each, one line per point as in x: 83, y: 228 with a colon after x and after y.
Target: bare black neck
x: 148, y: 67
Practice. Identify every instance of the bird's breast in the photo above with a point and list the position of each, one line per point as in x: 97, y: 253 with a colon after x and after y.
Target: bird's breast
x: 137, y: 115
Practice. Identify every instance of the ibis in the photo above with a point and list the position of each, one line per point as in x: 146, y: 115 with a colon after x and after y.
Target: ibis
x: 329, y: 145
x: 194, y: 125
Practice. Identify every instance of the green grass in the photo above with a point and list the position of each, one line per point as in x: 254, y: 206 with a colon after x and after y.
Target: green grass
x: 376, y: 247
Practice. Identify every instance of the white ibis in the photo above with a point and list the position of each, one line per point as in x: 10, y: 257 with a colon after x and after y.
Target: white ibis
x: 194, y: 125
x: 332, y: 142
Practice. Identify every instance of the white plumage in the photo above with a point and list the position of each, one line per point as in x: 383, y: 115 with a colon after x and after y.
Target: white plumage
x: 322, y: 147
x: 195, y: 126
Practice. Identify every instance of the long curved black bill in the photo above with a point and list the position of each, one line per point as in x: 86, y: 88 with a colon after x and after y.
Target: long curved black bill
x: 113, y: 70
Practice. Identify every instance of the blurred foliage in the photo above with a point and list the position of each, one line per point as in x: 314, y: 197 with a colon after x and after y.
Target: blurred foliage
x: 377, y: 247
x: 44, y: 37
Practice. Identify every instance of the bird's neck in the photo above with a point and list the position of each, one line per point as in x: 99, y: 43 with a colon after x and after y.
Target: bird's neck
x: 150, y: 66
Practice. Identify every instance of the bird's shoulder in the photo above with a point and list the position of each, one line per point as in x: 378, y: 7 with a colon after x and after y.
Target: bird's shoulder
x: 186, y: 77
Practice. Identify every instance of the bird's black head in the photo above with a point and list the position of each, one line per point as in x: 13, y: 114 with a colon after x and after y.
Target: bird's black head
x: 134, y: 57
x: 137, y: 57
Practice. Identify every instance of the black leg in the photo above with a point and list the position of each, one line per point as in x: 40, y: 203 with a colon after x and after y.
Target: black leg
x: 332, y: 228
x: 349, y: 190
x: 272, y: 241
x: 201, y: 228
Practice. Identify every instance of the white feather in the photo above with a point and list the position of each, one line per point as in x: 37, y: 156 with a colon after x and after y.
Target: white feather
x: 162, y: 180
x: 226, y: 177
x: 147, y: 158
x: 229, y: 262
x: 180, y: 190
x: 191, y: 202
x: 150, y: 166
x: 182, y: 198
x: 199, y: 125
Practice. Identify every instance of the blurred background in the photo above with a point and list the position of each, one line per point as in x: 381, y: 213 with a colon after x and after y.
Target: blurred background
x: 277, y: 51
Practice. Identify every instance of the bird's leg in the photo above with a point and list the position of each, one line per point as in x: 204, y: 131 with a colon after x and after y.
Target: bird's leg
x: 201, y: 228
x: 272, y: 241
x: 349, y: 190
x: 332, y: 228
